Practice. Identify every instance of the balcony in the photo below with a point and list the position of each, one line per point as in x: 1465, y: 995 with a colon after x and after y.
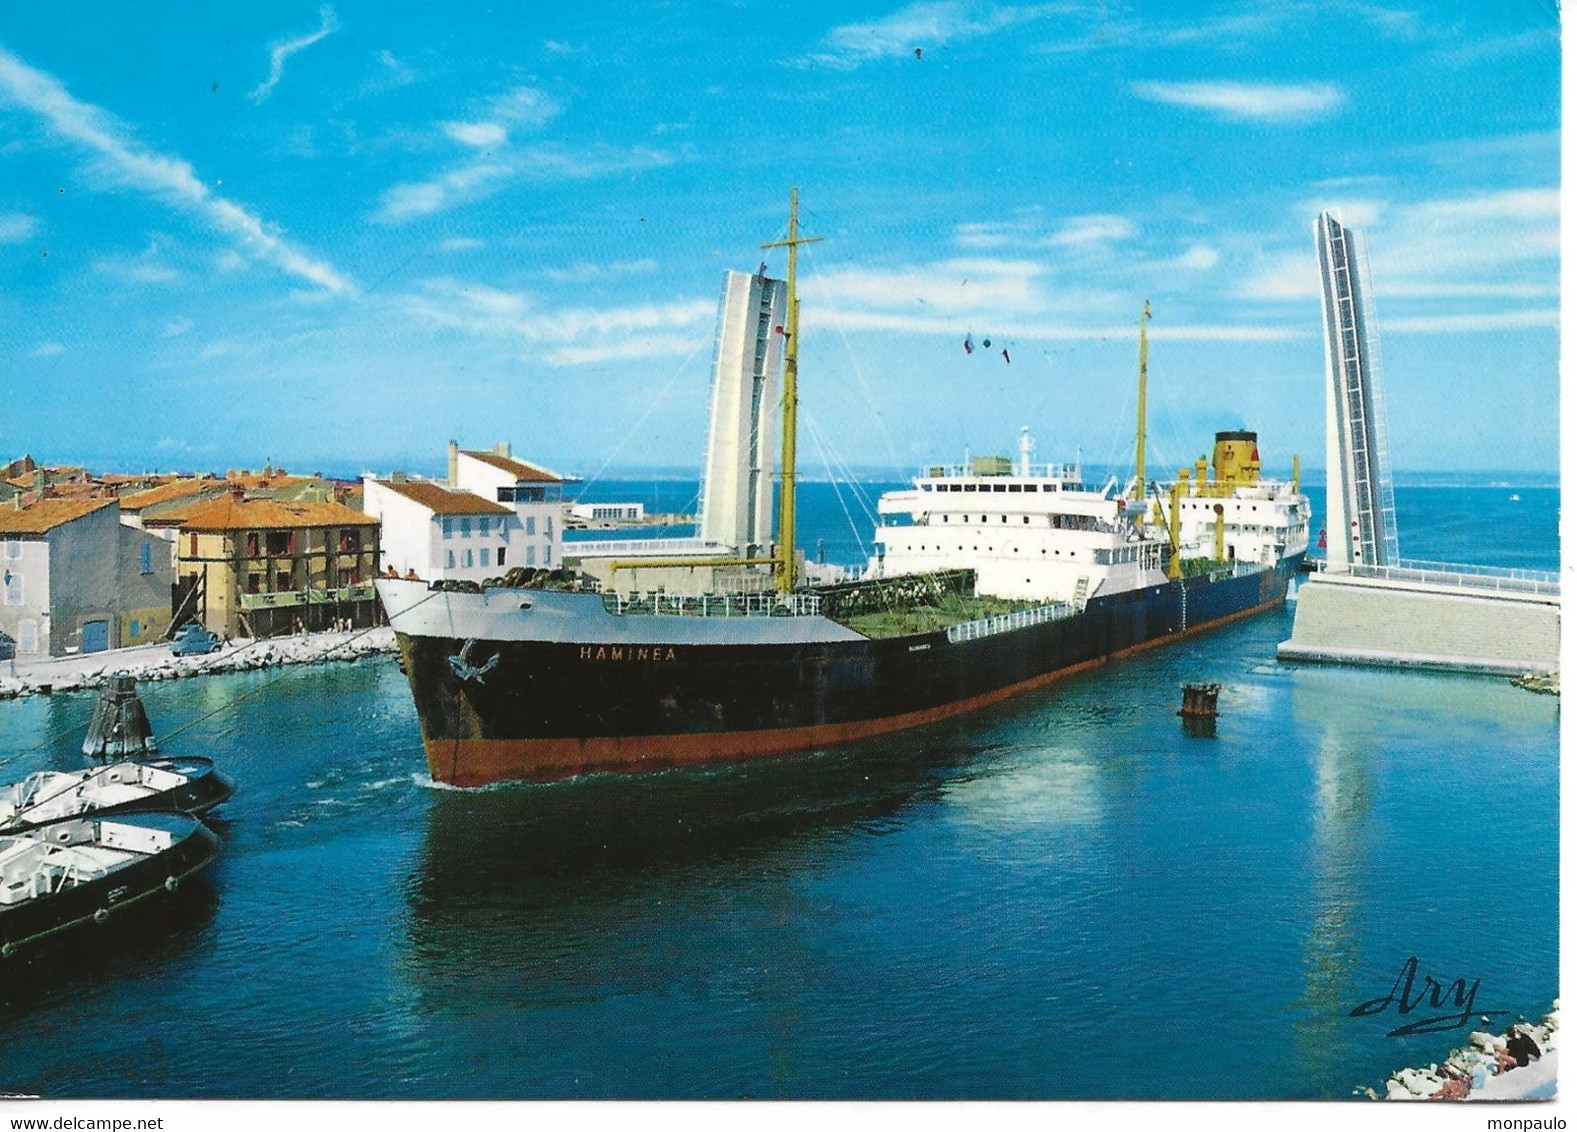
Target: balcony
x: 344, y: 595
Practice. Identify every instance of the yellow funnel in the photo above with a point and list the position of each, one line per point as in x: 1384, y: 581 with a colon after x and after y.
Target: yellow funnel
x: 1236, y: 459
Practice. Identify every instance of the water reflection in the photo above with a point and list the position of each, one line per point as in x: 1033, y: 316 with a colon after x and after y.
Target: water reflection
x: 1040, y: 788
x: 148, y: 940
x: 522, y: 875
x: 1330, y: 953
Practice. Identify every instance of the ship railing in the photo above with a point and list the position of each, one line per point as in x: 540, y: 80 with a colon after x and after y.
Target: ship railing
x: 643, y: 547
x: 1460, y: 576
x: 1007, y: 622
x: 1014, y: 471
x: 714, y: 605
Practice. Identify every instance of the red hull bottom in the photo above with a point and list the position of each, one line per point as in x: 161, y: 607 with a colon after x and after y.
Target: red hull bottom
x: 482, y: 762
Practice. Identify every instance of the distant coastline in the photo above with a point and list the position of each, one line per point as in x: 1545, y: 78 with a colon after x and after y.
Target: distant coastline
x: 588, y: 478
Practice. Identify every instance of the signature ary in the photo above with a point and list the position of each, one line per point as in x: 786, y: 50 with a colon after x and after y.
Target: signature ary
x: 1457, y: 997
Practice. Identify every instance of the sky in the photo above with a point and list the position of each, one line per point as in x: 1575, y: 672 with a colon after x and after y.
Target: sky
x: 336, y: 236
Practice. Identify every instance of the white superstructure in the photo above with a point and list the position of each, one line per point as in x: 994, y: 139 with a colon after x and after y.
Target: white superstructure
x: 1029, y: 532
x: 1037, y: 532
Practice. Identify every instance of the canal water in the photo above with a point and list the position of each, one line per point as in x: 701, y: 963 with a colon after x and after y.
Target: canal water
x: 1066, y: 896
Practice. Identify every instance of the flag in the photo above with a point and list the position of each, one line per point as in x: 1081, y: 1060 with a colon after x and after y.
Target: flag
x: 1322, y: 539
x: 969, y: 345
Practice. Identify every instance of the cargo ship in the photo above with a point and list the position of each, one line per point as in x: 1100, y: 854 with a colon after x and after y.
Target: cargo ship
x: 989, y: 579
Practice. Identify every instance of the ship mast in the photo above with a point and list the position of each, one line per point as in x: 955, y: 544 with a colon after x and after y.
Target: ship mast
x: 1144, y: 359
x: 784, y: 560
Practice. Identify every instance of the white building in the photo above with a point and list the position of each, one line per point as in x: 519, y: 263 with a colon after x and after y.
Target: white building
x: 609, y: 512
x: 58, y: 564
x: 433, y: 532
x: 534, y: 493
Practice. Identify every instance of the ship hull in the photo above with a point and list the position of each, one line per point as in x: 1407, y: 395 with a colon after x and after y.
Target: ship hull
x: 537, y: 710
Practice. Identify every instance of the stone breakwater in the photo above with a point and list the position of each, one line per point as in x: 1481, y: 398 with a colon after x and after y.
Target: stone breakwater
x: 81, y: 673
x: 1478, y: 1072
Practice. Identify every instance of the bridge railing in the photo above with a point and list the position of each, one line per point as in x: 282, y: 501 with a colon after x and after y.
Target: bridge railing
x: 1461, y: 576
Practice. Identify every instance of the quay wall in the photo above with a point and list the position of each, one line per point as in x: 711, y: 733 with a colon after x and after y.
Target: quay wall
x: 1348, y: 620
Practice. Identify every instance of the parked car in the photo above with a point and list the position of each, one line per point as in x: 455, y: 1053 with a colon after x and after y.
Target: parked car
x: 191, y: 639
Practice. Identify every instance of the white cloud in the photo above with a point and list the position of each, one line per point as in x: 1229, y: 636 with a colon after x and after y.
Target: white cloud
x: 1099, y: 228
x: 16, y: 227
x: 1289, y: 275
x: 639, y: 348
x: 566, y: 335
x: 524, y: 106
x: 922, y: 26
x: 1263, y: 102
x: 178, y: 326
x: 284, y: 49
x: 477, y: 180
x: 137, y: 270
x: 391, y: 73
x: 1416, y: 289
x: 1197, y: 257
x: 118, y: 159
x: 1447, y: 264
x: 1497, y: 50
x: 1103, y: 28
x: 1514, y: 203
x: 1014, y: 299
x: 1360, y: 213
x: 587, y: 272
x: 147, y: 267
x: 48, y: 350
x: 485, y: 174
x: 1010, y: 330
x: 1090, y: 232
x: 950, y: 288
x: 1470, y: 323
x: 460, y: 244
x: 482, y: 135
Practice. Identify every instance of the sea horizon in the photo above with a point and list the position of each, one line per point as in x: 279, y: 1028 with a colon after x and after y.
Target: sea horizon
x: 590, y: 474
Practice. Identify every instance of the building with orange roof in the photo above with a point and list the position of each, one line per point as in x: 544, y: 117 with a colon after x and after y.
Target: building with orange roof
x: 433, y: 532
x: 134, y: 503
x: 74, y: 579
x: 262, y: 567
x: 533, y: 492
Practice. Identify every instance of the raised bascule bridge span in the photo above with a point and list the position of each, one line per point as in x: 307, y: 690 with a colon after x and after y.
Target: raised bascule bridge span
x: 1369, y: 606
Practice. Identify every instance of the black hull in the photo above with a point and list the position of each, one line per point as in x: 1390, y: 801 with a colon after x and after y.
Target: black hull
x: 205, y: 789
x: 98, y: 901
x: 552, y: 710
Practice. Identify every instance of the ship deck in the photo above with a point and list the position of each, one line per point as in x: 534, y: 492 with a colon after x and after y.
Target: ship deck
x: 949, y: 610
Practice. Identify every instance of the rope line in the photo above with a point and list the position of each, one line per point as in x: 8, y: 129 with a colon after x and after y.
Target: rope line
x: 650, y: 409
x: 62, y: 732
x: 815, y: 434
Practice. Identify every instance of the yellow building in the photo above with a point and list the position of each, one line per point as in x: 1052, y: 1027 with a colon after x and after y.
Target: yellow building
x: 264, y: 567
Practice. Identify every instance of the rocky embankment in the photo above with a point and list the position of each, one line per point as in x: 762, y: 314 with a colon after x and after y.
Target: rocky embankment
x: 1482, y: 1070
x: 155, y: 662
